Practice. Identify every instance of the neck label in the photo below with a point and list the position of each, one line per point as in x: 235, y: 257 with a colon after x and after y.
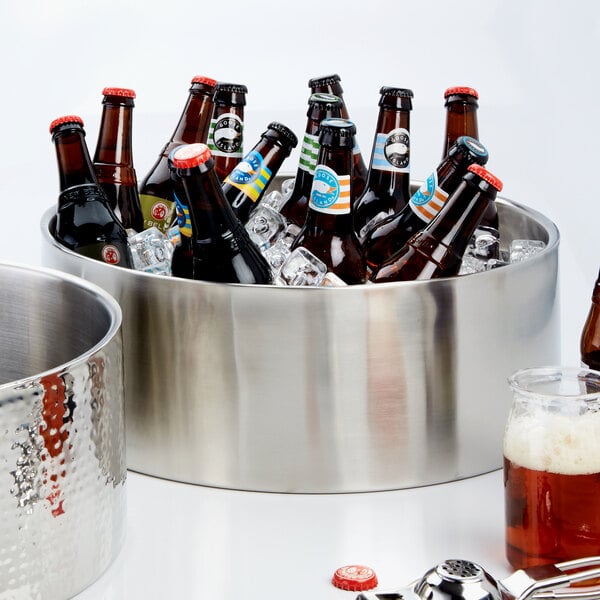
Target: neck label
x: 225, y: 135
x: 309, y: 153
x: 391, y: 151
x: 251, y: 175
x: 330, y: 192
x: 427, y: 201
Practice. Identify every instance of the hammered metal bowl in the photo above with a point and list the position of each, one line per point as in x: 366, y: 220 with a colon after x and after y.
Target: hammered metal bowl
x: 62, y: 433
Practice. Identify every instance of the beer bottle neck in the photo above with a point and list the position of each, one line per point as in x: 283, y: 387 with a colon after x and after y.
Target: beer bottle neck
x: 115, y: 136
x: 246, y: 184
x: 336, y: 164
x: 461, y: 119
x: 310, y: 149
x: 74, y: 163
x: 210, y: 212
x: 388, y: 176
x: 194, y: 122
x: 457, y: 220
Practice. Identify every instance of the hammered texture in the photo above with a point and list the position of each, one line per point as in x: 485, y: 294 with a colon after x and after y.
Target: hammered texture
x: 62, y: 477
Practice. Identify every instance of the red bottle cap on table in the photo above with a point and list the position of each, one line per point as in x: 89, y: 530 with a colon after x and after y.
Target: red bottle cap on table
x: 66, y: 119
x: 191, y: 155
x: 468, y: 91
x: 355, y: 578
x: 203, y: 79
x: 486, y: 176
x: 116, y: 91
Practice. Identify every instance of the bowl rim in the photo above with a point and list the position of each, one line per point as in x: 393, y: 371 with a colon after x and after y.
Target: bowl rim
x: 549, y: 226
x: 102, y: 296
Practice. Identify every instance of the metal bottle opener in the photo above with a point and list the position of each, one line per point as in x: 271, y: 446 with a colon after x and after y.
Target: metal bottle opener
x: 465, y: 580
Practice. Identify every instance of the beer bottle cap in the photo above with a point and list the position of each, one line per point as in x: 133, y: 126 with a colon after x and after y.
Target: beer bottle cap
x: 230, y: 94
x: 394, y: 97
x: 396, y: 92
x: 117, y: 91
x: 205, y: 80
x: 355, y: 578
x: 337, y: 131
x: 469, y: 148
x: 464, y: 91
x: 328, y: 101
x: 316, y: 82
x: 190, y: 156
x: 486, y: 176
x: 285, y: 132
x: 66, y: 119
x: 236, y: 88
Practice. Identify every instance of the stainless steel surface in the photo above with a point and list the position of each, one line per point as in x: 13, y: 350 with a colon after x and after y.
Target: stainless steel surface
x: 465, y: 580
x: 348, y: 389
x: 62, y: 446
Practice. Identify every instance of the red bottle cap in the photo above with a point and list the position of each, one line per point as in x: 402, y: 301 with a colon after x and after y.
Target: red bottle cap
x: 355, y: 578
x: 206, y: 80
x: 486, y: 176
x: 65, y: 119
x: 191, y: 155
x: 116, y: 91
x: 467, y: 91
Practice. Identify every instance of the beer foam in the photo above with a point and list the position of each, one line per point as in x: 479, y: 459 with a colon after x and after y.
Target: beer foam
x: 569, y: 445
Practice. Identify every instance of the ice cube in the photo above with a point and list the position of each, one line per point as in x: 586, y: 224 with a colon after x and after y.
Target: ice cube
x: 302, y: 267
x: 151, y: 251
x: 521, y: 250
x: 265, y: 226
x: 287, y: 187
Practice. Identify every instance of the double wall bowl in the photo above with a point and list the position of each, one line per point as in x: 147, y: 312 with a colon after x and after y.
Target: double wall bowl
x: 324, y: 390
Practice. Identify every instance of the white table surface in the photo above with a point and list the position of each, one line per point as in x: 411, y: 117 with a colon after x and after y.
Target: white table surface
x: 186, y: 541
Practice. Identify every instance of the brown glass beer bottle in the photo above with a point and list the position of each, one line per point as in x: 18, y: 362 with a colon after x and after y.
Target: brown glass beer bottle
x: 246, y: 184
x: 461, y: 115
x: 226, y: 134
x: 392, y: 233
x: 387, y: 189
x: 331, y: 84
x: 85, y: 222
x: 328, y: 231
x: 113, y: 158
x: 590, y: 335
x: 222, y: 249
x: 437, y: 251
x: 157, y: 196
x: 320, y: 106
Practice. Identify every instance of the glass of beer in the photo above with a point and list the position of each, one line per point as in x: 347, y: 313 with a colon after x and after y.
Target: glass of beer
x: 552, y: 466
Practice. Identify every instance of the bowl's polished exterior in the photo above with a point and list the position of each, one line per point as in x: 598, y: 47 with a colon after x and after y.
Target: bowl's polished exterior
x: 62, y: 433
x: 356, y: 388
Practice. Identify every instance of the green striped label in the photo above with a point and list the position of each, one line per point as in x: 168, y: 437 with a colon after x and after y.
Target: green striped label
x: 309, y: 153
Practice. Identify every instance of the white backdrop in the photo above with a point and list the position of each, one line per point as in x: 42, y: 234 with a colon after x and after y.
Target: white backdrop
x: 533, y: 62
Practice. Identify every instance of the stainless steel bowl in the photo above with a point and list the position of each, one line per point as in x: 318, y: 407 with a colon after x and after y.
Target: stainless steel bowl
x: 62, y: 434
x: 358, y: 388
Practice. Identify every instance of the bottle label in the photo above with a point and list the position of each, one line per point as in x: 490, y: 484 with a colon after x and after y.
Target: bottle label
x: 427, y: 201
x: 330, y: 192
x: 392, y: 151
x: 309, y: 153
x: 157, y: 212
x: 109, y: 253
x: 225, y: 135
x: 251, y: 175
x: 184, y: 221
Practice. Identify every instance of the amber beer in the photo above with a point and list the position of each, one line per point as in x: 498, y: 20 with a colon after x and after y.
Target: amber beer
x: 552, y: 479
